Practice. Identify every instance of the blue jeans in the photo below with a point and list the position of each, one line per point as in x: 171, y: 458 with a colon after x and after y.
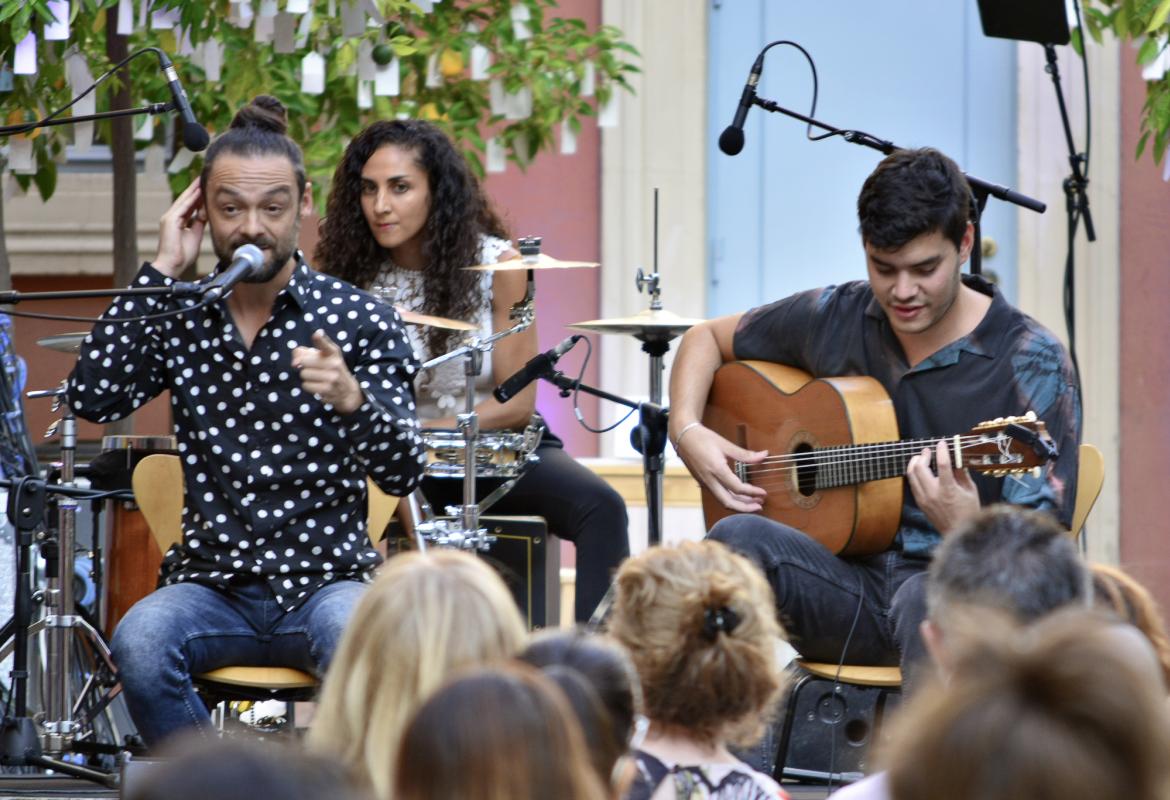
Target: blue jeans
x: 186, y: 629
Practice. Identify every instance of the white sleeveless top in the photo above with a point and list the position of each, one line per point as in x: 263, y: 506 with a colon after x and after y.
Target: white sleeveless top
x: 440, y: 390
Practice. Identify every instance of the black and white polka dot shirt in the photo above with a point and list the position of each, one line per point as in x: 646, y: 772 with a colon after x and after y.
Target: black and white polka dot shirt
x: 275, y: 479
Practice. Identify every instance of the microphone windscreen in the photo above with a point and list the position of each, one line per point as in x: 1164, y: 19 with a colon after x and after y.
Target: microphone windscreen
x: 731, y: 140
x: 195, y: 137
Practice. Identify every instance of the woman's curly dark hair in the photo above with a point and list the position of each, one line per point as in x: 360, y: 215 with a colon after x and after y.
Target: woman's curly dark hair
x: 459, y: 213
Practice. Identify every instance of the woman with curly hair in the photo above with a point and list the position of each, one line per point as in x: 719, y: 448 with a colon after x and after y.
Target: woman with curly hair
x: 405, y: 211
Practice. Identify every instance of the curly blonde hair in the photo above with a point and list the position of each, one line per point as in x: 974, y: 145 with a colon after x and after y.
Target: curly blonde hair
x: 700, y: 624
x: 424, y: 617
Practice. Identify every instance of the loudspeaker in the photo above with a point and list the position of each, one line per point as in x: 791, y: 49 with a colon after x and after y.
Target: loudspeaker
x: 1043, y: 21
x: 833, y: 726
x: 526, y: 557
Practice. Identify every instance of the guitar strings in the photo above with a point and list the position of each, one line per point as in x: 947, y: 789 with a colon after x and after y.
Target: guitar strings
x: 875, y: 452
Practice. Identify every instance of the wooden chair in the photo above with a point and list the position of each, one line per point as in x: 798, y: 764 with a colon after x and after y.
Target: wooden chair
x: 158, y: 489
x: 881, y: 686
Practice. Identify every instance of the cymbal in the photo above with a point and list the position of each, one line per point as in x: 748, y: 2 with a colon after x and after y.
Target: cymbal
x: 647, y: 324
x: 64, y: 342
x: 542, y: 262
x: 414, y: 318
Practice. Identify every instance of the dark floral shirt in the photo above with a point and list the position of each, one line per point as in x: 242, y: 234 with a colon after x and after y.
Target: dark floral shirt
x: 1008, y: 365
x: 275, y: 479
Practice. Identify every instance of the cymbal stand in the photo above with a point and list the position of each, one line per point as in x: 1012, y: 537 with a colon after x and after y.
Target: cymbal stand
x: 655, y: 344
x: 465, y: 532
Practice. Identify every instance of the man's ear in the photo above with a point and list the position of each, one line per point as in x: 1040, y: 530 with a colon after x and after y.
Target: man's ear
x: 307, y: 200
x: 966, y: 243
x: 932, y: 637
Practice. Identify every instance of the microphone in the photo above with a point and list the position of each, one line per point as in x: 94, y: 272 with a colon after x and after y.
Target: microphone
x: 247, y: 262
x: 731, y: 140
x: 537, y: 366
x: 195, y: 136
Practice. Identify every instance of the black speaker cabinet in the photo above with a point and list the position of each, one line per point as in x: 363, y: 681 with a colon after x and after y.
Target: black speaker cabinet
x: 527, y: 558
x: 831, y: 727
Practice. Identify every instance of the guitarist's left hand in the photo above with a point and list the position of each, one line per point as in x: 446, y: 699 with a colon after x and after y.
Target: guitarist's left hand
x: 948, y: 498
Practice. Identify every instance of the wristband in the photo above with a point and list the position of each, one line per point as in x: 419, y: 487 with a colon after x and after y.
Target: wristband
x: 683, y: 432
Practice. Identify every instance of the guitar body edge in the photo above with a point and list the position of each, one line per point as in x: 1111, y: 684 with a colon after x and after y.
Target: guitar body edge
x: 764, y: 406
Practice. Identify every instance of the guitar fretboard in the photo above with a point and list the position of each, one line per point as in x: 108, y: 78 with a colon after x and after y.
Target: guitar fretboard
x: 845, y: 465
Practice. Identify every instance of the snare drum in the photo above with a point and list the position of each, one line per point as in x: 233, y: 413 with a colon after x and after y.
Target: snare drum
x: 498, y: 454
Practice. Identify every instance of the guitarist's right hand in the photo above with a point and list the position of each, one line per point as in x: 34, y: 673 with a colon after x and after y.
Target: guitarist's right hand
x: 708, y: 456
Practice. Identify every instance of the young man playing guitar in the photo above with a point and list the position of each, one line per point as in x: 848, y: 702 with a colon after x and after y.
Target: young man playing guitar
x: 949, y: 351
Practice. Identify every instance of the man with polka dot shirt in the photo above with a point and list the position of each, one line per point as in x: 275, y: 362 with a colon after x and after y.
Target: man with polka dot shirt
x: 285, y: 395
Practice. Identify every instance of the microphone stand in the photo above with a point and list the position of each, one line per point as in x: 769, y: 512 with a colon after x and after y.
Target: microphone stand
x: 153, y: 109
x: 980, y: 188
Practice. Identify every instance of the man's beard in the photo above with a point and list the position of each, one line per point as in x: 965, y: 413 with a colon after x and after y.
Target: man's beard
x: 276, y: 256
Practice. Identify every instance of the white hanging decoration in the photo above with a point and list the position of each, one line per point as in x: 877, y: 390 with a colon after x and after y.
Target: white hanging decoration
x: 154, y: 161
x: 164, y: 20
x: 143, y: 14
x: 144, y: 129
x: 304, y: 30
x: 80, y: 78
x: 518, y: 105
x: 497, y: 156
x: 365, y: 94
x: 212, y: 59
x: 1155, y: 69
x: 521, y: 16
x: 263, y: 30
x: 568, y: 139
x: 366, y: 68
x: 480, y: 60
x: 374, y: 13
x: 353, y: 19
x: 296, y: 7
x: 284, y: 33
x: 497, y: 97
x: 427, y: 6
x: 181, y: 161
x: 125, y: 17
x: 20, y: 156
x: 434, y: 77
x: 386, y: 79
x: 24, y: 60
x: 607, y: 116
x: 58, y: 31
x: 313, y: 74
x: 268, y: 8
x: 589, y: 79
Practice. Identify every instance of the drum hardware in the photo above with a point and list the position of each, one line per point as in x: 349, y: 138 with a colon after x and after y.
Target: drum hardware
x: 62, y: 726
x: 655, y: 328
x: 64, y: 342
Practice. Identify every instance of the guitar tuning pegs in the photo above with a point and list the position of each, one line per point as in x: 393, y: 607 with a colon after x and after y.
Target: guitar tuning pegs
x: 1030, y: 416
x: 1036, y: 472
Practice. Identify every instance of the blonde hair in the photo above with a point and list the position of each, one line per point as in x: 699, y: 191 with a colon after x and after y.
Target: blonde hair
x: 502, y: 733
x: 700, y: 624
x: 425, y: 616
x: 1117, y: 591
x: 1052, y: 710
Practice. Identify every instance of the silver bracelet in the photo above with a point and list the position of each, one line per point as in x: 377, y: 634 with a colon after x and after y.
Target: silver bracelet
x: 683, y: 432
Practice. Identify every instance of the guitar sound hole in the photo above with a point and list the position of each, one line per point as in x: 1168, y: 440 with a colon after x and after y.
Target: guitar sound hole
x: 806, y: 472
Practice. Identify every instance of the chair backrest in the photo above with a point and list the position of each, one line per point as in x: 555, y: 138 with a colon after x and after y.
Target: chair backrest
x: 1090, y: 479
x: 158, y: 489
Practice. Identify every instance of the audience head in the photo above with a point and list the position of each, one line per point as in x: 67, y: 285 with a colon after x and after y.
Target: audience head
x: 504, y: 733
x: 240, y: 770
x: 599, y: 680
x: 700, y: 624
x: 1019, y: 562
x: 1043, y: 712
x: 424, y: 617
x: 1118, y: 593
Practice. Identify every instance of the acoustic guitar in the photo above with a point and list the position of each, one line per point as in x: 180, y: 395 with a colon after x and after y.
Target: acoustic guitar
x: 835, y: 463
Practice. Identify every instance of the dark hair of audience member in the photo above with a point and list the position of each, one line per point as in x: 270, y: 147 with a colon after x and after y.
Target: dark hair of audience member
x: 1017, y: 560
x: 242, y: 770
x: 1118, y: 592
x: 1047, y: 711
x: 504, y: 733
x: 699, y: 622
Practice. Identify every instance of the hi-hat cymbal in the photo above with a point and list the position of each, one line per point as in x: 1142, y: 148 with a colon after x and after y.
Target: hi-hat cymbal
x: 414, y: 318
x: 64, y: 342
x: 542, y: 262
x: 648, y: 324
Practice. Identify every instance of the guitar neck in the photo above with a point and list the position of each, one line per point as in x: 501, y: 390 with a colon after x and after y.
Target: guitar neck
x: 846, y: 465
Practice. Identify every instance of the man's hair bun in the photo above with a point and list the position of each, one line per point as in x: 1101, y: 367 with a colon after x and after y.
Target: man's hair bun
x: 264, y: 112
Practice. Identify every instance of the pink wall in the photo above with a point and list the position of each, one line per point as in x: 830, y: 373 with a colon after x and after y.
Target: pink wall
x: 559, y: 198
x: 1145, y: 359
